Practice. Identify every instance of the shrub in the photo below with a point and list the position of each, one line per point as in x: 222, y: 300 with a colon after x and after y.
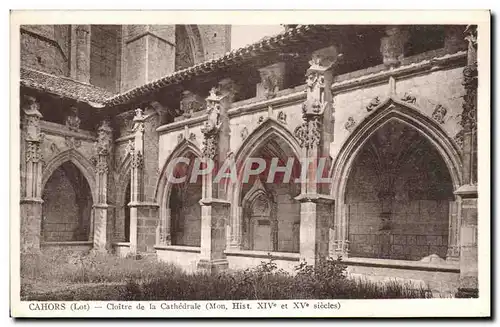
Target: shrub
x: 148, y: 279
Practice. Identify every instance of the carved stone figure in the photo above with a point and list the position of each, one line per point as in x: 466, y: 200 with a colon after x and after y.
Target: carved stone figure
x: 349, y: 125
x: 244, y: 133
x: 271, y: 83
x: 282, y: 117
x: 392, y: 46
x: 72, y: 120
x: 104, y: 138
x: 190, y: 103
x: 407, y: 97
x: 439, y: 114
x: 373, y: 104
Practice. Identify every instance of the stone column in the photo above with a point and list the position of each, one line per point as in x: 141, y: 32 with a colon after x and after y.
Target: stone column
x: 103, y: 151
x: 31, y: 196
x: 81, y: 70
x: 468, y: 191
x: 136, y: 150
x: 215, y: 209
x: 314, y: 136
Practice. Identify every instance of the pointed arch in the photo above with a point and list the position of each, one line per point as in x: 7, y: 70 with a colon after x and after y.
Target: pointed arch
x: 388, y: 110
x: 268, y: 130
x: 162, y: 190
x: 80, y: 161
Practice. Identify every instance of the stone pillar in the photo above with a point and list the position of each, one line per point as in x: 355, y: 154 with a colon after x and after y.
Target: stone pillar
x: 31, y: 196
x: 136, y: 150
x: 103, y: 151
x: 81, y: 70
x: 468, y: 191
x: 272, y: 80
x: 215, y: 209
x: 392, y: 45
x: 314, y: 136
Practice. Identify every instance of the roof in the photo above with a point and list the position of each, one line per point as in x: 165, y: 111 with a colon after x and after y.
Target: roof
x: 64, y: 87
x: 288, y: 37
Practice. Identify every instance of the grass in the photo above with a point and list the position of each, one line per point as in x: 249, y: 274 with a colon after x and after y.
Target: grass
x: 67, y: 276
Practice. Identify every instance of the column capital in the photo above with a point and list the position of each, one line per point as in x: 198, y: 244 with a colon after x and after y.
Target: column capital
x: 315, y: 197
x: 467, y: 191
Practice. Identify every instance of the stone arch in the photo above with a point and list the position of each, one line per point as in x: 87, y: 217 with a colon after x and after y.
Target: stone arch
x: 162, y: 188
x: 389, y: 111
x: 164, y: 191
x: 407, y: 114
x: 189, y: 46
x: 266, y: 131
x: 80, y: 161
x: 275, y: 139
x: 69, y: 193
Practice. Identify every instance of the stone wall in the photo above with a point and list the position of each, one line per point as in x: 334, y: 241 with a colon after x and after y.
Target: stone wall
x: 67, y: 207
x: 186, y: 216
x: 404, y: 216
x: 430, y: 90
x: 46, y: 48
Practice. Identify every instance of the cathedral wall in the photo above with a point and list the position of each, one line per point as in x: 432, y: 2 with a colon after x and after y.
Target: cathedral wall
x: 430, y: 89
x: 46, y: 48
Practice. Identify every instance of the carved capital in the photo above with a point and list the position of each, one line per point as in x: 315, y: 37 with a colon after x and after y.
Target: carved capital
x: 33, y: 152
x: 309, y: 132
x: 137, y: 161
x: 210, y: 145
x: 102, y: 165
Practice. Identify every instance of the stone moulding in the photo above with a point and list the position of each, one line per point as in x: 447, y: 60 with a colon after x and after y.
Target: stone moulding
x: 285, y: 98
x: 288, y: 256
x: 421, y: 67
x: 51, y: 128
x: 178, y: 248
x: 238, y: 110
x: 448, y: 266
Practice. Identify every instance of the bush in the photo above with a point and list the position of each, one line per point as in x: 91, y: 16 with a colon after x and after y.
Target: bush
x: 148, y: 279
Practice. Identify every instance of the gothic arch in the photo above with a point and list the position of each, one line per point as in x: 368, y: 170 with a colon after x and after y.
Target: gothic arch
x: 388, y: 110
x: 189, y: 46
x: 162, y: 190
x: 82, y: 163
x: 267, y: 130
